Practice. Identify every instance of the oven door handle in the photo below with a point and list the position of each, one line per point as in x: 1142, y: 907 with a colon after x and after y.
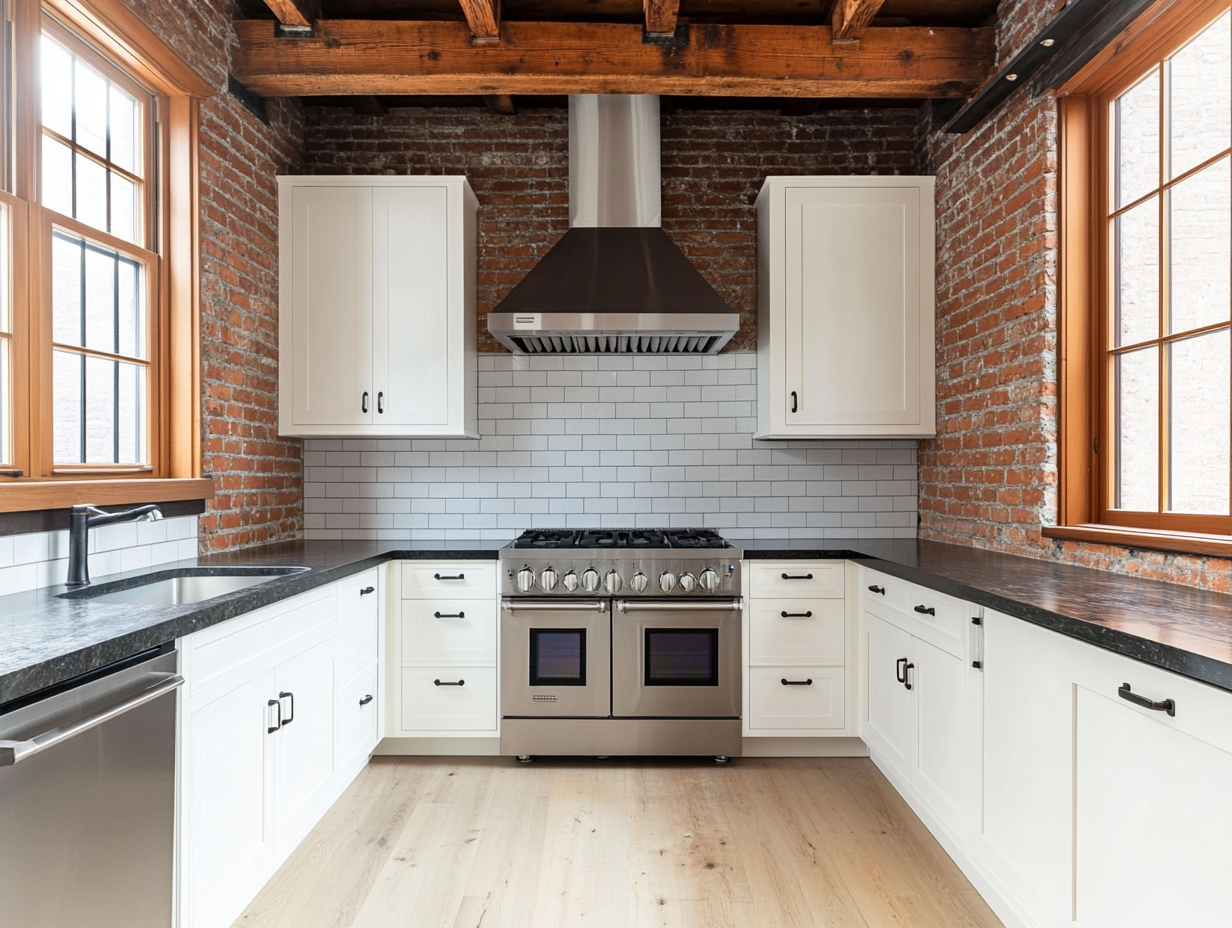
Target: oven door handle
x: 726, y: 605
x: 555, y: 605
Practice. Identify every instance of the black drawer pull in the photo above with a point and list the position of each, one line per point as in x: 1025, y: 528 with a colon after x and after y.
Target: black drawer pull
x: 900, y: 670
x: 808, y: 682
x: 363, y: 403
x: 449, y: 615
x: 367, y: 699
x: 796, y: 615
x: 290, y: 718
x: 795, y: 402
x: 458, y: 577
x: 380, y: 403
x: 446, y: 683
x: 797, y: 576
x: 907, y: 675
x: 880, y: 590
x: 270, y: 729
x: 925, y: 610
x: 1164, y: 705
x: 366, y: 590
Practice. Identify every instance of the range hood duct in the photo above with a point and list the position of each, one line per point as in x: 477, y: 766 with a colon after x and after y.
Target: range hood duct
x: 614, y: 283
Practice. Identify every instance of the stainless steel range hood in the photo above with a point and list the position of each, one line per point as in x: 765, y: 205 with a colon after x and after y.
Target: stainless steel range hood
x: 614, y: 283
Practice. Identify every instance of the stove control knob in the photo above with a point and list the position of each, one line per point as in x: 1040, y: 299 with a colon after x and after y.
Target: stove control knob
x: 639, y: 582
x: 667, y: 581
x: 526, y: 580
x: 590, y: 580
x: 688, y: 583
x: 548, y: 579
x: 570, y: 580
x: 709, y: 581
x: 612, y: 582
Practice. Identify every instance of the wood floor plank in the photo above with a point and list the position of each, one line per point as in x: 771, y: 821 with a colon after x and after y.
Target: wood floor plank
x: 490, y: 843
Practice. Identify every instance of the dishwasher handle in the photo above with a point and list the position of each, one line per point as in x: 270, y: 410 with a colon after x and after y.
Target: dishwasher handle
x: 14, y: 752
x: 726, y: 605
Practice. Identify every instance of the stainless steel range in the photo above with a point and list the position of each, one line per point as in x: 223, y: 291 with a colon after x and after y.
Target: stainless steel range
x: 620, y: 642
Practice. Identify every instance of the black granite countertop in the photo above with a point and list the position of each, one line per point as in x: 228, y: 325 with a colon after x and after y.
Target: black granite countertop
x: 1176, y: 627
x: 45, y: 640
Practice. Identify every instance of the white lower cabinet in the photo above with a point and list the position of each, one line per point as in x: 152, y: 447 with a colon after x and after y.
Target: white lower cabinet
x: 444, y: 634
x: 273, y: 726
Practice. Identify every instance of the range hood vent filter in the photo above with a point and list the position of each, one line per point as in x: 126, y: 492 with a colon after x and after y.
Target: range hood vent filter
x: 616, y: 344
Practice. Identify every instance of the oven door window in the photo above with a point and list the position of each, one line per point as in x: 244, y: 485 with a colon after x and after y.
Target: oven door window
x: 558, y: 657
x: 682, y: 657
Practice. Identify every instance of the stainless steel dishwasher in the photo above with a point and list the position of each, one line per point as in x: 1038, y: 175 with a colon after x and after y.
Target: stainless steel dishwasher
x: 87, y: 799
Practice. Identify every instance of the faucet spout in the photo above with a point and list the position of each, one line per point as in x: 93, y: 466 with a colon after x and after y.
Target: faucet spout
x: 85, y: 517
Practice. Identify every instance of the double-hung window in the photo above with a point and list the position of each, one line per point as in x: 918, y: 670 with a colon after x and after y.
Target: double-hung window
x: 1146, y: 414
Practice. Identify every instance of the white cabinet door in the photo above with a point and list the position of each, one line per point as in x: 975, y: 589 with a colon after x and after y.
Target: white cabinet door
x: 229, y: 796
x: 304, y: 745
x: 852, y: 315
x: 411, y: 306
x: 889, y: 720
x: 331, y: 291
x: 1153, y: 812
x: 938, y: 682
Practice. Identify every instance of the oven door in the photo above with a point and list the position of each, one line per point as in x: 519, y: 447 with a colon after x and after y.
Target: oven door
x: 556, y: 659
x: 676, y: 659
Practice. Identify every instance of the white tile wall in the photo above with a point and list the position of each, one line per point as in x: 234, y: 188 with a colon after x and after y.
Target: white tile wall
x: 40, y: 559
x: 614, y: 442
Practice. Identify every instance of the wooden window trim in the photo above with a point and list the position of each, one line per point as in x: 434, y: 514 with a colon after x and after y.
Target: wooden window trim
x: 1083, y: 471
x: 116, y: 32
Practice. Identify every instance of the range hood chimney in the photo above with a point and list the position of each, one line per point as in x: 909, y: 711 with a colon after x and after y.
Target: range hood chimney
x: 614, y: 283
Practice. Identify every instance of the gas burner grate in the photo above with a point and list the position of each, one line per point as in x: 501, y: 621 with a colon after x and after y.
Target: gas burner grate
x: 543, y: 539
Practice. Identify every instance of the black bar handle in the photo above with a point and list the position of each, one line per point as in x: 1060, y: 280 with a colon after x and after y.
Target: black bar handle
x: 290, y: 718
x: 808, y: 682
x: 907, y: 675
x: 900, y: 673
x: 366, y: 590
x: 449, y: 615
x: 364, y: 402
x: 1164, y: 705
x: 879, y: 590
x: 380, y: 403
x: 458, y: 577
x: 797, y: 576
x: 445, y: 683
x: 797, y: 615
x: 795, y: 402
x: 925, y: 610
x: 367, y: 699
x: 274, y: 702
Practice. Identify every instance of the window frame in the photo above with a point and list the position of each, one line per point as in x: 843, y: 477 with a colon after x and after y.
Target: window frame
x: 1086, y: 464
x: 111, y: 39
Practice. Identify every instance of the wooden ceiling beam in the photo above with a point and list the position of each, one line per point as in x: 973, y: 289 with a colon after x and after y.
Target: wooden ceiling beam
x: 850, y: 19
x: 661, y: 16
x: 483, y: 17
x: 298, y: 14
x: 345, y: 57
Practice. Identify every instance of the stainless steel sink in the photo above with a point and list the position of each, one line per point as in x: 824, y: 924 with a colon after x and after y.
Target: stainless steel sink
x: 181, y: 587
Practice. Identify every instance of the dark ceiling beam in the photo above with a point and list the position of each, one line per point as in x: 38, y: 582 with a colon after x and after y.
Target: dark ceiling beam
x: 484, y: 18
x: 661, y: 16
x: 850, y: 19
x: 298, y: 14
x: 346, y: 57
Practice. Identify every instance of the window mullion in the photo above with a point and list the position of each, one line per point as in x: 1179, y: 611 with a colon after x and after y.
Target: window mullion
x: 1165, y: 354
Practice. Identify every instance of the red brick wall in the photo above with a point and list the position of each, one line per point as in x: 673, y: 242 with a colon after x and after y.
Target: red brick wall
x: 990, y: 476
x: 258, y: 476
x: 713, y: 164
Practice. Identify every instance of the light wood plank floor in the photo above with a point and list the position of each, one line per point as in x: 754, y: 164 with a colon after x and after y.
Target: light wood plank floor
x: 490, y: 843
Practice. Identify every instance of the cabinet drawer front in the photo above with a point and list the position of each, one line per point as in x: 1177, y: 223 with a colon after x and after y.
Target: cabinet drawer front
x: 448, y: 630
x: 254, y: 642
x: 796, y: 579
x: 360, y: 593
x: 798, y: 631
x: 464, y: 579
x: 431, y: 706
x: 355, y: 731
x: 797, y: 704
x: 934, y: 617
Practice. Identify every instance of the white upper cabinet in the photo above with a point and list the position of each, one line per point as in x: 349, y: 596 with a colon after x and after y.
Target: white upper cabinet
x: 377, y: 310
x: 845, y: 308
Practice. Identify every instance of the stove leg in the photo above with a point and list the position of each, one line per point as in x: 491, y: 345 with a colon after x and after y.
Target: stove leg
x: 523, y: 758
x: 721, y: 759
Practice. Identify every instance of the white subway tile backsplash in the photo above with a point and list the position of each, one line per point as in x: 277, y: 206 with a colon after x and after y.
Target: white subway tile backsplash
x: 620, y: 441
